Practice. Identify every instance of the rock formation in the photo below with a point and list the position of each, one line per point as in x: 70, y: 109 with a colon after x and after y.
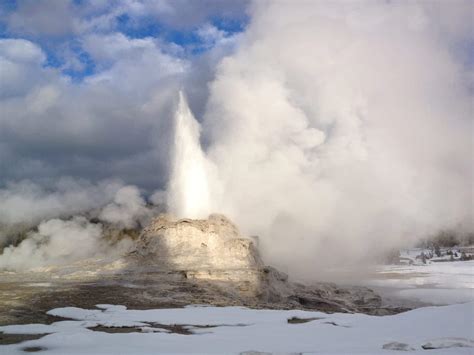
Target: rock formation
x: 197, y: 245
x: 212, y: 255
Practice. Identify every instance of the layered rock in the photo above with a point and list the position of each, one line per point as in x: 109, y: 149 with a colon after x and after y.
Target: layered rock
x: 212, y: 255
x: 197, y: 245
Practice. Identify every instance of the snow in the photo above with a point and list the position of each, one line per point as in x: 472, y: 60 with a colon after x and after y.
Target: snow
x: 438, y: 283
x: 238, y: 329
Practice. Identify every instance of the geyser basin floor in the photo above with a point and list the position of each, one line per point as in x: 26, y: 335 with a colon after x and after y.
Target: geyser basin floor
x: 26, y: 297
x: 240, y: 330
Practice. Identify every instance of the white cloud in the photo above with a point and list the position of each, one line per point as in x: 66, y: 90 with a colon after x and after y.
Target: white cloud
x: 66, y: 128
x: 19, y: 63
x: 21, y: 51
x: 131, y: 64
x: 60, y: 18
x: 212, y: 36
x: 46, y: 17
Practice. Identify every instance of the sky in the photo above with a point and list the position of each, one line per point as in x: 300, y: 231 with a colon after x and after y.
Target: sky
x: 95, y: 77
x: 331, y: 129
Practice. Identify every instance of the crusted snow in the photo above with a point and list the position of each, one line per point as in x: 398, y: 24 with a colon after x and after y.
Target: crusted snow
x: 239, y: 329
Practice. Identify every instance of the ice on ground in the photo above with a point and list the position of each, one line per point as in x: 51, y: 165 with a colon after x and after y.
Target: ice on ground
x: 446, y: 330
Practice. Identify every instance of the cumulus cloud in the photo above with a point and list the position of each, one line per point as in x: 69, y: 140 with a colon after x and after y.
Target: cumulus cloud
x: 82, y: 98
x: 18, y: 60
x: 65, y: 17
x: 47, y: 17
x: 141, y: 64
x: 113, y: 125
x: 184, y: 13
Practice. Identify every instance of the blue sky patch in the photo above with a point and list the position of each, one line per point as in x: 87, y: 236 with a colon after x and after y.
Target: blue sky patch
x: 59, y: 49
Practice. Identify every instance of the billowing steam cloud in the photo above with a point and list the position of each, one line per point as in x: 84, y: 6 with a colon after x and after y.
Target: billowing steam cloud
x: 62, y: 241
x: 337, y: 129
x: 59, y: 242
x: 29, y: 203
x: 340, y: 129
x: 128, y: 209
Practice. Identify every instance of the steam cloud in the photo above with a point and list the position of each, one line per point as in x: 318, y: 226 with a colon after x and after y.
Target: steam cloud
x: 128, y: 210
x: 28, y: 203
x: 333, y: 130
x: 62, y: 241
x: 340, y: 130
x: 57, y: 242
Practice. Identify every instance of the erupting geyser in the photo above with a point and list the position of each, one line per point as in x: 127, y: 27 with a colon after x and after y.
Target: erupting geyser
x: 188, y: 189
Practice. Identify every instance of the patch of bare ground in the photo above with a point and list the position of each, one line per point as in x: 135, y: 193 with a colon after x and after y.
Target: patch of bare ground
x: 7, y: 339
x: 183, y: 329
x: 33, y: 349
x: 297, y: 320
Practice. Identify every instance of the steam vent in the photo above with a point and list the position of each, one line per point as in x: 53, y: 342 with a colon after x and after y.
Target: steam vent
x: 214, y: 264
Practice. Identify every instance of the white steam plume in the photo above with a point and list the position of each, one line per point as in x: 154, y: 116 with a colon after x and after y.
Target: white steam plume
x: 128, y: 209
x: 188, y: 191
x: 29, y: 203
x: 59, y: 242
x: 340, y: 129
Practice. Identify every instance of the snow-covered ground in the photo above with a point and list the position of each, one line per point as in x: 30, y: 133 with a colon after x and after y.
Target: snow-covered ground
x: 437, y: 283
x: 240, y: 330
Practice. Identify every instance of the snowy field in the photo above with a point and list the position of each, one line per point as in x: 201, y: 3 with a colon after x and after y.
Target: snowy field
x: 237, y: 330
x: 437, y: 283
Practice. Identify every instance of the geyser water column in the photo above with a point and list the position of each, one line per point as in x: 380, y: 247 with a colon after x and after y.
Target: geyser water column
x: 188, y: 187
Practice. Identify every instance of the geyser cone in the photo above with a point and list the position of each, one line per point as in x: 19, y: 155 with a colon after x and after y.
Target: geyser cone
x: 188, y: 189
